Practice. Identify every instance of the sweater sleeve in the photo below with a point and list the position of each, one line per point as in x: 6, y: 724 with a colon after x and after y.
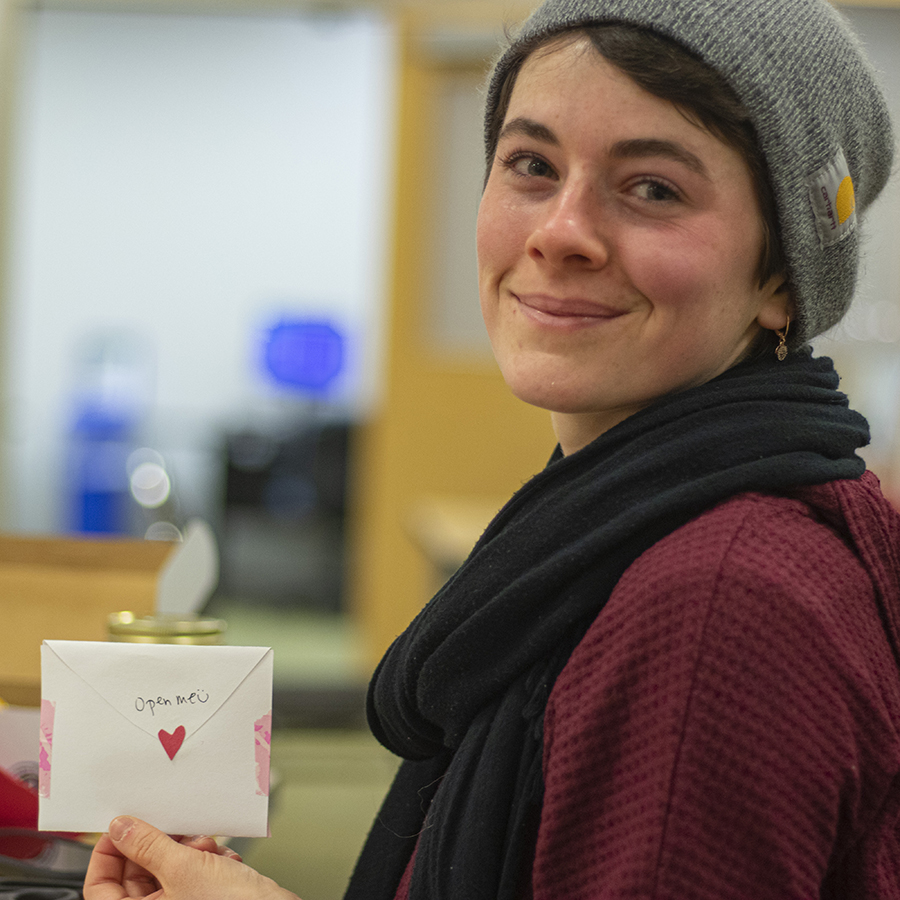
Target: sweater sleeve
x: 707, y: 736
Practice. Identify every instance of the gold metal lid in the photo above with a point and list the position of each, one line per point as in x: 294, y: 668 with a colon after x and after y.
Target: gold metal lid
x: 164, y: 628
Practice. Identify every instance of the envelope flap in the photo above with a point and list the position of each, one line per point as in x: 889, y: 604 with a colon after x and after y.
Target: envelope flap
x: 160, y: 686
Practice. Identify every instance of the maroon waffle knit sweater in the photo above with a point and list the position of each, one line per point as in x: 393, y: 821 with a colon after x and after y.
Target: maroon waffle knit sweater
x: 729, y: 727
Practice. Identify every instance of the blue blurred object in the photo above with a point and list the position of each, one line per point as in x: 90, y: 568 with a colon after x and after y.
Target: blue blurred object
x: 111, y: 387
x: 304, y: 354
x: 99, y: 444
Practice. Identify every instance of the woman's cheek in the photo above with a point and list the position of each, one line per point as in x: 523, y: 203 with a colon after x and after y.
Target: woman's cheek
x: 664, y: 276
x: 494, y: 238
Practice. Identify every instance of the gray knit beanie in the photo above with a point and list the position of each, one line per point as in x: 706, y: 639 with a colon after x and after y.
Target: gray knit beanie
x: 821, y: 120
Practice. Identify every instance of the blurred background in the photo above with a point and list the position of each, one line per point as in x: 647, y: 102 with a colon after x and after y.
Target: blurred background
x: 237, y: 282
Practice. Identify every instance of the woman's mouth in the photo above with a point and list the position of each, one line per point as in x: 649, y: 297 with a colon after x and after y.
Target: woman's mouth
x: 565, y: 311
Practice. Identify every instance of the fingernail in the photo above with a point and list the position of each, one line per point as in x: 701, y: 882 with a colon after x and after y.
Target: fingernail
x: 119, y: 827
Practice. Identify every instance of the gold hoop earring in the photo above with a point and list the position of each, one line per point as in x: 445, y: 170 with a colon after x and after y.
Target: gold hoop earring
x: 781, y: 351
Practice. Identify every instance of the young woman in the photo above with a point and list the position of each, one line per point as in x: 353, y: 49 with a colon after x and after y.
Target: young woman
x: 669, y: 668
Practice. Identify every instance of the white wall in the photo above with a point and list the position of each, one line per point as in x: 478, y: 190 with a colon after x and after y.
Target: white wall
x: 187, y: 179
x: 866, y: 345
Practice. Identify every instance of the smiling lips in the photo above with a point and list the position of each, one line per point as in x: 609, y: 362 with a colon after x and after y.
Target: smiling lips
x: 563, y: 311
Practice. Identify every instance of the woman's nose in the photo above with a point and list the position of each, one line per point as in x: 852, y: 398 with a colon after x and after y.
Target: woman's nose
x: 570, y: 231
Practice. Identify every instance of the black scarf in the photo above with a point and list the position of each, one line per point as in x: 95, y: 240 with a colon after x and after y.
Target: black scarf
x: 461, y: 693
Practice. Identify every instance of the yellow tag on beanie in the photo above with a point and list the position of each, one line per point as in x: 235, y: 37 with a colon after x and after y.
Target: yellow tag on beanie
x: 833, y: 200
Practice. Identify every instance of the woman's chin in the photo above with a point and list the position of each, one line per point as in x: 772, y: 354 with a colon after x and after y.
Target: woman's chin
x: 553, y: 397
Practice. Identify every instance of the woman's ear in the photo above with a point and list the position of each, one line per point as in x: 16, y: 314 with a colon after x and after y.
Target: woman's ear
x: 777, y: 304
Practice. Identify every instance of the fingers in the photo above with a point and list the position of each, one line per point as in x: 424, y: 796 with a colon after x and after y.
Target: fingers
x: 210, y: 845
x: 151, y: 854
x: 112, y: 876
x: 142, y: 843
x: 136, y: 860
x: 200, y: 842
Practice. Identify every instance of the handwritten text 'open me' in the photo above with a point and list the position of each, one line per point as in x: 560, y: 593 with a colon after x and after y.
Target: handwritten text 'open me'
x: 144, y: 704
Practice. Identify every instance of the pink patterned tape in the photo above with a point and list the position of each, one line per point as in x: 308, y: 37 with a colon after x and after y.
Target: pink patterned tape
x: 48, y: 711
x: 263, y: 748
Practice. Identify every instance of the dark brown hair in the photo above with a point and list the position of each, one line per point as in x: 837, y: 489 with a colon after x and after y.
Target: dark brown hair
x: 668, y: 71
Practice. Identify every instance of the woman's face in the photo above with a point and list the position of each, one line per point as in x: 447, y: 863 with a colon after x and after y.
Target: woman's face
x: 617, y: 246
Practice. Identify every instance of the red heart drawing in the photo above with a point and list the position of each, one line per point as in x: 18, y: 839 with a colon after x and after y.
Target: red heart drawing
x: 172, y: 742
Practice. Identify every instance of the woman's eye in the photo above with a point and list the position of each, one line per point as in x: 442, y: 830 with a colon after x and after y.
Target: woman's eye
x: 656, y: 191
x: 528, y: 166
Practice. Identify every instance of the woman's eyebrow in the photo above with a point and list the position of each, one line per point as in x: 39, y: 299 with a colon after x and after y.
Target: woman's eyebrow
x: 529, y: 128
x: 639, y: 148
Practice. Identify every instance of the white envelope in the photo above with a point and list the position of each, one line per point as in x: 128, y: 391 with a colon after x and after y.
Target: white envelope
x: 176, y: 735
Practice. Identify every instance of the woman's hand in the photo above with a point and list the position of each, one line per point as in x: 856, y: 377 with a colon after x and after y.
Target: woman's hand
x: 136, y: 860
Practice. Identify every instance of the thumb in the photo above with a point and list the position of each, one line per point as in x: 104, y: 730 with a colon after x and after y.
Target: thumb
x: 149, y: 847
